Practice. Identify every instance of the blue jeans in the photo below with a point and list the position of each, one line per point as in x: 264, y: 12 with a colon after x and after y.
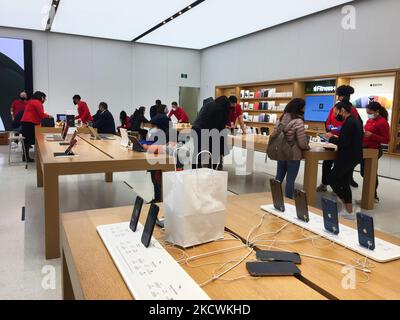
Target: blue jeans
x: 290, y: 169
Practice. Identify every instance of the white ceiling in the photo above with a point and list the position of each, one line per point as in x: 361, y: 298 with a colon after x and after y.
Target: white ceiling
x: 216, y: 21
x: 113, y: 19
x: 27, y: 14
x: 210, y: 23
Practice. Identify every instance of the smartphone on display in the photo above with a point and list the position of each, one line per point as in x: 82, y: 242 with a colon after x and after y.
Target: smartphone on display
x: 366, y: 234
x: 71, y: 145
x: 300, y: 199
x: 278, y: 256
x: 137, y: 208
x: 323, y: 138
x: 331, y: 215
x: 277, y: 195
x: 259, y: 269
x: 149, y: 226
x: 72, y: 138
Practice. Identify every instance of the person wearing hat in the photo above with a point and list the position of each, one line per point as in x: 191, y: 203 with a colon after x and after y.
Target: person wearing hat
x: 334, y: 124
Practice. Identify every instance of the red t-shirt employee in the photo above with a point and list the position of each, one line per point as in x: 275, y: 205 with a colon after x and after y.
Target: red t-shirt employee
x: 33, y: 115
x: 83, y: 109
x: 179, y: 113
x: 19, y: 105
x: 235, y: 114
x: 377, y: 132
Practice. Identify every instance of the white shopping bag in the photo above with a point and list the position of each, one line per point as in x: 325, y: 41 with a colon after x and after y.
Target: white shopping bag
x: 194, y: 206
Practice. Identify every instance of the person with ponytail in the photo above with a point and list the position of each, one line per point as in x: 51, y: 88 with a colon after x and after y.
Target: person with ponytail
x: 377, y: 133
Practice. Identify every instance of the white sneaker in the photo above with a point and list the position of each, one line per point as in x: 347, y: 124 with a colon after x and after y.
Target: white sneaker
x: 346, y: 215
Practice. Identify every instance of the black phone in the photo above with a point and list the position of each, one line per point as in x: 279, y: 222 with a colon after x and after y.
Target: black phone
x: 277, y: 195
x: 137, y: 208
x: 366, y: 234
x: 278, y: 256
x: 300, y: 199
x: 323, y: 138
x: 71, y: 145
x: 72, y: 138
x: 259, y: 269
x: 331, y: 215
x: 149, y: 226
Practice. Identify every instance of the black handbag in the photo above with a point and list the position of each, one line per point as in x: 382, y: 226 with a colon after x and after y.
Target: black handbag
x: 47, y: 122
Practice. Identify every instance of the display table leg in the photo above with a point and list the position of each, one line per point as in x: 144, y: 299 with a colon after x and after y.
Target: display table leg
x: 310, y: 180
x: 51, y: 214
x: 109, y: 177
x: 369, y: 183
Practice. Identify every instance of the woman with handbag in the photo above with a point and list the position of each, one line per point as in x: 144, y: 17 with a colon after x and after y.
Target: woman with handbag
x: 292, y: 122
x: 33, y: 115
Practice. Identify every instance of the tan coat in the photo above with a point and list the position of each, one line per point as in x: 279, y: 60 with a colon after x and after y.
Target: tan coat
x: 295, y: 134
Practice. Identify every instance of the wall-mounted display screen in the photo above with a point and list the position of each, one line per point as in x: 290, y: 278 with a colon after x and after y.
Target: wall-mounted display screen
x: 15, y: 73
x: 380, y: 89
x: 318, y: 107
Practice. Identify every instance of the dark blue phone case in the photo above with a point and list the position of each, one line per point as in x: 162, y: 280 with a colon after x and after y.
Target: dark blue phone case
x: 366, y: 234
x: 331, y: 216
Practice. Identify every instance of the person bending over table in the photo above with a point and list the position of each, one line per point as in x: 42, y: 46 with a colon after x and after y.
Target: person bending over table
x: 179, y: 113
x: 103, y: 120
x: 212, y: 116
x: 349, y: 155
x: 377, y: 132
x: 137, y: 120
x: 33, y: 115
x: 83, y: 110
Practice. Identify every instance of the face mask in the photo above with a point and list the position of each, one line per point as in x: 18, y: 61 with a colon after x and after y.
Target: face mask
x: 371, y: 116
x: 339, y: 118
x: 23, y: 98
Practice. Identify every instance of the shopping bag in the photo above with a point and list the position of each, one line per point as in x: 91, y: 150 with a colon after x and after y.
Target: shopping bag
x: 194, y: 206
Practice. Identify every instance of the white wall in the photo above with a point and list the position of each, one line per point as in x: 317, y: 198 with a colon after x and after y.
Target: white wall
x: 123, y: 74
x: 313, y: 46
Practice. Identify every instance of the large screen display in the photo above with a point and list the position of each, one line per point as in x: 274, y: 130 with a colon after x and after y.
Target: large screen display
x: 318, y: 107
x: 15, y: 74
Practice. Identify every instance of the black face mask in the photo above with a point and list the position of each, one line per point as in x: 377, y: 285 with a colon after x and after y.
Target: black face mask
x: 339, y: 118
x: 23, y: 99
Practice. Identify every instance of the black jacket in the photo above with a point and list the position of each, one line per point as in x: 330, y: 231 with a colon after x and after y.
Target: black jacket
x: 17, y: 120
x: 137, y: 119
x: 153, y: 110
x: 350, y: 150
x: 212, y: 116
x: 104, y: 122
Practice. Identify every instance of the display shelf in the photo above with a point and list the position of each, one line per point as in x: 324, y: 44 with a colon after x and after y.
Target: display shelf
x: 266, y: 99
x: 298, y: 86
x: 260, y: 123
x: 263, y: 111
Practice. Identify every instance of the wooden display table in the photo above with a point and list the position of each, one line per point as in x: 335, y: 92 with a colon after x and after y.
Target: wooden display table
x: 91, y: 157
x: 90, y: 273
x: 317, y: 153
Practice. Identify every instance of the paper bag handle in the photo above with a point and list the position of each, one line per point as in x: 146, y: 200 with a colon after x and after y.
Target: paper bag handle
x: 206, y: 151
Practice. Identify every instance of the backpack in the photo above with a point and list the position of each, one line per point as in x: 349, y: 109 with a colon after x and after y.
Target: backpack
x: 278, y: 146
